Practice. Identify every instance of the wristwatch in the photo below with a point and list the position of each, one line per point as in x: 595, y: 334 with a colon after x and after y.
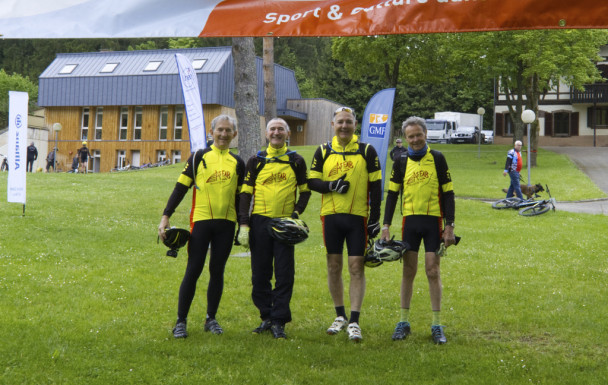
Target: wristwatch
x: 450, y: 224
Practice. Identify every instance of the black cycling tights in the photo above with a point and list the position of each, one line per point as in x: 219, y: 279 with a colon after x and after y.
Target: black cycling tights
x: 220, y: 233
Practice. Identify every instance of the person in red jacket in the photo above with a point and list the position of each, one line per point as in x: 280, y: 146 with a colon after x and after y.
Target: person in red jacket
x: 513, y: 167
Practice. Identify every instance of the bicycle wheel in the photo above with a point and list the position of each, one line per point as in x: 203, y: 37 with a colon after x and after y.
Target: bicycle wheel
x: 538, y: 209
x: 507, y: 203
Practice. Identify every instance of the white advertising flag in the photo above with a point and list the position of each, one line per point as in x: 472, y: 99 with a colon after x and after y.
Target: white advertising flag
x: 17, y: 146
x: 192, y: 103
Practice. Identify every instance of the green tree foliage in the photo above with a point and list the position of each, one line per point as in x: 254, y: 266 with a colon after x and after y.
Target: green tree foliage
x: 15, y: 83
x: 528, y: 64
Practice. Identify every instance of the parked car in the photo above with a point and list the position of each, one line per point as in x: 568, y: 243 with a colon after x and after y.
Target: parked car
x: 466, y: 134
x: 488, y: 136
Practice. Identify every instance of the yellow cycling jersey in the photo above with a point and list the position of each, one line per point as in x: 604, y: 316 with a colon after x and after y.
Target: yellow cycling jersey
x: 219, y: 177
x: 272, y: 178
x: 359, y: 162
x: 423, y: 184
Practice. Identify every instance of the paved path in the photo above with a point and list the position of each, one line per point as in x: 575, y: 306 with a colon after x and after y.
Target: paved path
x: 593, y: 161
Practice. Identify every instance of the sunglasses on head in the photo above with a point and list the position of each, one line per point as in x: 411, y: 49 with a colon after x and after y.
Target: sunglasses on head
x: 345, y: 109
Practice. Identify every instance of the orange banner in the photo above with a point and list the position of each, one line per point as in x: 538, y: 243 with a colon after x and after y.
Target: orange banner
x: 374, y: 17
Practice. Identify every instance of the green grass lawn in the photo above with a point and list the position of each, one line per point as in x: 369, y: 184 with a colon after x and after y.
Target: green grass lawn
x: 87, y: 296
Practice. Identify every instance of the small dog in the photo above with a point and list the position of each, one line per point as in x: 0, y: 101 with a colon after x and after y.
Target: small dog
x: 528, y: 191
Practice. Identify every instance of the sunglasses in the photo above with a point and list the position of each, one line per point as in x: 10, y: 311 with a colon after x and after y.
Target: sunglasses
x: 345, y: 109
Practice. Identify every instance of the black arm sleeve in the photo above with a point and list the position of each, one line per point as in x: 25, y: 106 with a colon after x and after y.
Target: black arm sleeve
x: 389, y: 208
x: 240, y: 171
x: 318, y: 185
x: 243, y: 207
x: 302, y: 202
x: 179, y: 192
x: 375, y: 201
x: 449, y: 206
x: 301, y: 179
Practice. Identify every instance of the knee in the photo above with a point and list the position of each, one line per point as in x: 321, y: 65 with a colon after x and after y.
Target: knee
x: 432, y: 272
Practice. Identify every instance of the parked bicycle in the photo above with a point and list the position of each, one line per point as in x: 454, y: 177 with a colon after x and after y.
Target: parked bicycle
x: 540, y: 207
x: 527, y: 207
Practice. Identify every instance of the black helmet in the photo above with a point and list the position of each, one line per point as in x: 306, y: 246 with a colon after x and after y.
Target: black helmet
x: 371, y: 257
x: 288, y: 230
x: 175, y: 239
x: 389, y: 251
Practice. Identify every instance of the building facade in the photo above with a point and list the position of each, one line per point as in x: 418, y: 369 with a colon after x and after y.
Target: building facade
x: 129, y: 108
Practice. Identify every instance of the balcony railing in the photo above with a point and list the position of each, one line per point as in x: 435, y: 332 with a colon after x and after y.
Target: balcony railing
x: 593, y: 93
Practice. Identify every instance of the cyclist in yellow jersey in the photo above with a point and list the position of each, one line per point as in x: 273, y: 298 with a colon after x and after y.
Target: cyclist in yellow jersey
x: 349, y: 176
x: 428, y: 202
x: 272, y: 179
x: 217, y: 176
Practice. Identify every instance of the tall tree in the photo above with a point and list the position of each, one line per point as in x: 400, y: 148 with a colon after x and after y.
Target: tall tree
x: 528, y: 64
x: 270, y: 98
x: 15, y: 82
x: 246, y: 96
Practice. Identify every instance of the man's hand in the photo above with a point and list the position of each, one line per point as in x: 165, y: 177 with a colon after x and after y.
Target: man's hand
x: 339, y: 186
x: 386, y: 234
x: 243, y: 236
x: 448, y: 236
x: 295, y: 215
x: 164, y: 224
x: 373, y: 229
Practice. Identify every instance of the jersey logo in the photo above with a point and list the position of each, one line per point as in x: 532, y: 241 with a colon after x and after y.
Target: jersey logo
x: 275, y: 178
x: 341, y: 168
x: 219, y: 176
x: 418, y: 177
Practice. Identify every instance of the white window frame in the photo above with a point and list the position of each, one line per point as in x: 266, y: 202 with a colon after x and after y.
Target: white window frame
x: 84, y: 123
x: 153, y: 65
x: 178, y: 132
x: 161, y: 155
x: 137, y: 126
x: 124, y: 123
x: 98, y: 123
x: 176, y: 156
x: 68, y: 69
x: 108, y: 68
x: 163, y: 121
x: 121, y: 158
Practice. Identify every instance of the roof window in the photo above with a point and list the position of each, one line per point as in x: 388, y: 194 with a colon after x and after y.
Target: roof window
x: 68, y: 68
x: 109, y: 67
x: 153, y: 65
x: 198, y: 64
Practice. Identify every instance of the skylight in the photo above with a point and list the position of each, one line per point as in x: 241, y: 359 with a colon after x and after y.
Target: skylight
x: 153, y: 65
x: 109, y: 67
x: 68, y: 68
x: 197, y: 64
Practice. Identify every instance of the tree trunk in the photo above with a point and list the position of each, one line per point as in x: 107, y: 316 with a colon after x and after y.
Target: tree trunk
x: 270, y: 99
x: 246, y: 96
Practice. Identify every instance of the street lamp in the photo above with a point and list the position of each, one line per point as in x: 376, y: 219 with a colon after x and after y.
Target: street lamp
x: 56, y: 127
x: 528, y: 116
x: 480, y: 112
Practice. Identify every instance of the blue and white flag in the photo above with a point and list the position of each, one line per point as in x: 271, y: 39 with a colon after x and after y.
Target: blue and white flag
x: 376, y: 124
x: 192, y: 103
x: 17, y: 146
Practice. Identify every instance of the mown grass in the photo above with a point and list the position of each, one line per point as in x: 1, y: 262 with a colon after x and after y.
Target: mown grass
x: 88, y: 297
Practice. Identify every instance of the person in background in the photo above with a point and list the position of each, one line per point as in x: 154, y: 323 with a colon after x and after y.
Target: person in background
x: 83, y: 156
x: 396, y: 152
x: 217, y: 176
x: 32, y: 155
x: 513, y: 166
x: 348, y: 174
x: 272, y: 179
x: 428, y: 203
x: 50, y: 160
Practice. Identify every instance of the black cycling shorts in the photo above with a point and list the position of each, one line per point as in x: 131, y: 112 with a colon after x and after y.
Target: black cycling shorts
x: 422, y: 227
x: 338, y: 228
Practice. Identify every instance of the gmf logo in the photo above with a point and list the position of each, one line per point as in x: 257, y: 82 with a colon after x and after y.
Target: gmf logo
x: 377, y: 125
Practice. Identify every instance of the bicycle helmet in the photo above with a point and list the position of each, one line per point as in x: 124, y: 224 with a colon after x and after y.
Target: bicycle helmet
x: 371, y: 257
x: 388, y: 251
x: 288, y: 230
x: 175, y: 239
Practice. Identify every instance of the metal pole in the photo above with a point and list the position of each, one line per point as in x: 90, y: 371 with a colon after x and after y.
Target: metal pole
x: 529, y: 154
x: 479, y: 136
x: 55, y: 154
